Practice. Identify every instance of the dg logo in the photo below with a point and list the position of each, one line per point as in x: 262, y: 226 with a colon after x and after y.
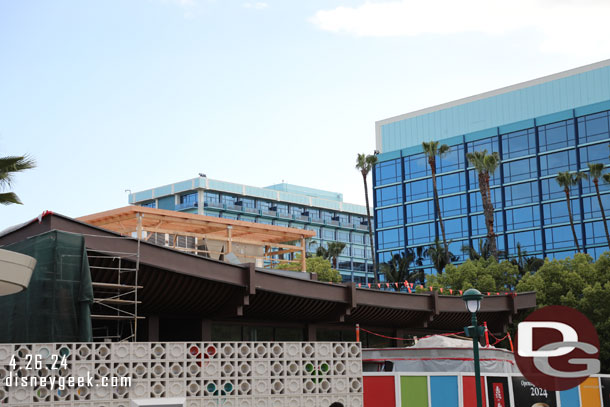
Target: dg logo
x: 557, y: 348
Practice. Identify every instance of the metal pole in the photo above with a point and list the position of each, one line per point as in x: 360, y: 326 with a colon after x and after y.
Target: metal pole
x: 475, y: 351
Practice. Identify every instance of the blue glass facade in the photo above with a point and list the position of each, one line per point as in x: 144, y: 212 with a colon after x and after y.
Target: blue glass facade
x: 539, y: 128
x: 283, y: 205
x: 530, y: 207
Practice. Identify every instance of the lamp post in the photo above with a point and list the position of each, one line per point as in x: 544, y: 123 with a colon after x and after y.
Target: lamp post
x: 472, y: 297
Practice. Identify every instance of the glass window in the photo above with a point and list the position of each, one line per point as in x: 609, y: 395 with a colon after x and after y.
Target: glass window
x: 358, y: 266
x: 420, y: 211
x: 328, y: 234
x: 520, y: 170
x: 552, y: 190
x: 452, y: 183
x: 595, y: 233
x: 391, y: 238
x: 264, y: 205
x: 343, y: 217
x: 343, y: 236
x: 387, y: 172
x: 226, y: 215
x: 418, y: 234
x: 313, y: 213
x: 456, y: 228
x: 280, y: 223
x: 556, y: 135
x: 150, y: 204
x: 530, y: 241
x: 296, y: 210
x: 490, y: 144
x: 591, y: 206
x: 588, y: 187
x: 389, y: 195
x: 551, y: 164
x: 358, y: 251
x: 344, y: 264
x: 494, y: 179
x: 328, y: 216
x: 282, y: 208
x: 479, y: 228
x: 561, y: 237
x: 520, y: 194
x: 228, y: 199
x: 522, y: 218
x: 453, y: 205
x: 211, y: 197
x: 519, y: 143
x: 476, y: 202
x: 557, y: 212
x: 188, y: 198
x: 597, y: 153
x: 357, y: 238
x: 248, y: 203
x: 421, y: 189
x: 263, y: 221
x: 593, y: 127
x: 389, y: 217
x: 247, y: 218
x: 453, y: 160
x: 416, y: 166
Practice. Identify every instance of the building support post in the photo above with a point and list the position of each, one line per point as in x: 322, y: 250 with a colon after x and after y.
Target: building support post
x: 229, y: 248
x: 303, y: 251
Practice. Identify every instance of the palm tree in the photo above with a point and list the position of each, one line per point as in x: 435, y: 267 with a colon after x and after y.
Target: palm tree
x: 8, y: 167
x: 334, y: 250
x: 397, y: 269
x: 595, y: 172
x: 364, y: 164
x: 486, y: 165
x: 432, y: 150
x: 439, y: 257
x: 566, y: 180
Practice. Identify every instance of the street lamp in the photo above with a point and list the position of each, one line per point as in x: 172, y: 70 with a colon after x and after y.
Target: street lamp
x: 472, y: 297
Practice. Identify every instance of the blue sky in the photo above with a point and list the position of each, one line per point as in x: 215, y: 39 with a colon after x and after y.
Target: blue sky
x: 131, y: 94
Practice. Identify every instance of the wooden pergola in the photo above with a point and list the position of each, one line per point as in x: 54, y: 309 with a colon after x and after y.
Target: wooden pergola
x: 276, y: 240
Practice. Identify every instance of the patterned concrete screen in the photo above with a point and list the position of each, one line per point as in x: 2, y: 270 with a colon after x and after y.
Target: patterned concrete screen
x: 399, y: 389
x: 227, y: 374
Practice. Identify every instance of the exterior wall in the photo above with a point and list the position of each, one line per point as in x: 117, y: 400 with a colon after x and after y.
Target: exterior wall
x: 530, y: 207
x: 332, y: 219
x: 265, y: 374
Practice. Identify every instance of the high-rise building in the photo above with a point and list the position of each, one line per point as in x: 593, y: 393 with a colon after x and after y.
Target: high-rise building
x: 539, y: 128
x: 284, y: 205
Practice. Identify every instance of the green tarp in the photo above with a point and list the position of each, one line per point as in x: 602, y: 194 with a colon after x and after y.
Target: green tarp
x: 56, y: 305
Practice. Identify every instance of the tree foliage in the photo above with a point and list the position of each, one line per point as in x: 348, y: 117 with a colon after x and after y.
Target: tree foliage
x: 316, y: 264
x: 482, y: 274
x: 9, y: 166
x: 578, y: 283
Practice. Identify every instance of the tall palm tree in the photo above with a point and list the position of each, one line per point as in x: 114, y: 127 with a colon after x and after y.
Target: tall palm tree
x: 433, y: 150
x: 398, y: 268
x: 364, y: 164
x: 595, y: 172
x: 8, y: 167
x: 566, y: 180
x: 486, y: 165
x: 333, y: 251
x: 439, y: 257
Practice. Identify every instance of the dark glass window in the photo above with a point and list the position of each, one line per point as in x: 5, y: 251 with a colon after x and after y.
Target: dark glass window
x: 345, y: 264
x: 389, y: 195
x: 556, y: 135
x: 389, y: 217
x: 561, y: 237
x: 453, y: 205
x: 419, y: 189
x: 452, y: 183
x: 358, y: 265
x: 453, y: 160
x: 416, y: 166
x: 387, y: 172
x: 520, y: 170
x: 519, y: 144
x: 557, y: 212
x: 597, y: 153
x: 478, y: 224
x: 476, y: 202
x: 530, y: 241
x: 522, y: 218
x: 551, y: 164
x: 593, y: 127
x: 391, y: 238
x: 418, y: 234
x: 489, y: 144
x: 188, y: 198
x: 552, y: 190
x: 420, y: 211
x: 456, y: 228
x: 591, y: 206
x: 520, y: 194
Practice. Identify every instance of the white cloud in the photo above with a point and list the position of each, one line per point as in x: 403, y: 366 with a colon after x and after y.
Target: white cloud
x: 258, y: 5
x: 564, y: 25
